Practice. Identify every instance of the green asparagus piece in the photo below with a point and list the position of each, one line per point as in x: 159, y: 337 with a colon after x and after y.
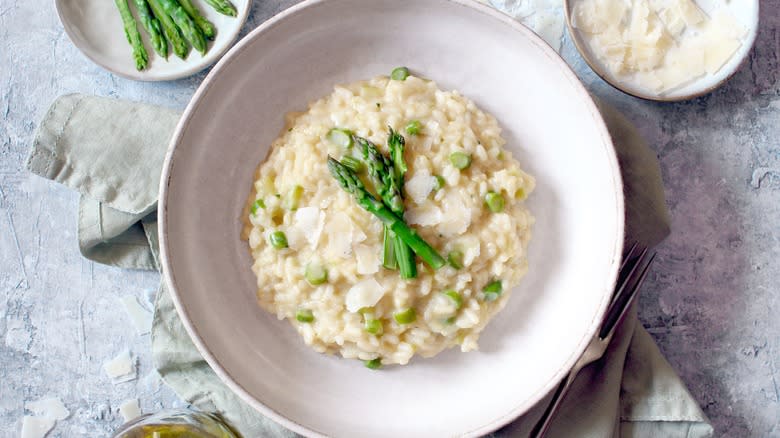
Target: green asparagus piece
x: 224, y: 7
x: 413, y: 128
x: 132, y: 35
x: 399, y: 73
x: 153, y: 28
x: 405, y: 259
x: 455, y: 259
x: 341, y: 137
x: 406, y: 316
x: 278, y: 240
x: 373, y: 364
x: 172, y: 33
x: 388, y: 252
x: 387, y: 176
x: 350, y: 182
x: 183, y: 21
x: 460, y: 160
x: 403, y: 254
x: 494, y: 202
x: 205, y: 25
x: 374, y: 326
x: 305, y: 316
x: 380, y: 170
x: 396, y: 144
x: 353, y: 163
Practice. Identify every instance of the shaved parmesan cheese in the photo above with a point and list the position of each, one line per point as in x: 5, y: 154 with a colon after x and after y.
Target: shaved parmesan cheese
x: 640, y: 22
x: 426, y: 216
x: 610, y: 48
x: 420, y: 185
x: 141, y: 318
x: 649, y: 80
x: 727, y: 25
x: 717, y: 55
x: 36, y: 427
x: 121, y: 368
x: 673, y: 22
x: 367, y: 259
x: 130, y: 410
x: 597, y: 15
x: 682, y: 68
x: 722, y: 37
x: 48, y: 408
x: 458, y: 217
x: 358, y: 235
x: 306, y: 228
x: 365, y: 293
x: 689, y: 12
x: 339, y: 230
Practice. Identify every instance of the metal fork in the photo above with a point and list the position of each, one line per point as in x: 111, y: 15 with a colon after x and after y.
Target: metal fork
x: 633, y: 271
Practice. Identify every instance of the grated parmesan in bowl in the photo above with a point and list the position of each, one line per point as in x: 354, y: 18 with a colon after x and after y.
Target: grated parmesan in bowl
x: 664, y: 49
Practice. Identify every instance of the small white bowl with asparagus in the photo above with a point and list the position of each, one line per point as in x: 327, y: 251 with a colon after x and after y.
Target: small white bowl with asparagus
x: 153, y: 40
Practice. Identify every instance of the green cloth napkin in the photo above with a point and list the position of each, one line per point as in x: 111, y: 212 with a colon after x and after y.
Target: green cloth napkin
x: 111, y: 152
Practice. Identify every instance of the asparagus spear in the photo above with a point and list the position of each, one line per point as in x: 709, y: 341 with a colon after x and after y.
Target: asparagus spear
x: 170, y: 30
x: 224, y: 7
x: 403, y: 254
x: 132, y: 35
x: 152, y: 26
x: 388, y: 250
x: 396, y: 144
x: 380, y: 169
x: 205, y: 25
x: 183, y: 21
x: 388, y: 185
x: 350, y: 182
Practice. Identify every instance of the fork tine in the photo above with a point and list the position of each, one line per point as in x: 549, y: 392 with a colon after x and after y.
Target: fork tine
x: 629, y: 255
x: 628, y: 266
x: 626, y: 293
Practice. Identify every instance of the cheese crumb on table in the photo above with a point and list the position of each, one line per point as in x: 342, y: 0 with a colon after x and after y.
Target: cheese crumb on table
x: 47, y: 412
x: 658, y: 45
x: 121, y: 368
x: 130, y: 410
x: 36, y: 427
x: 51, y: 407
x: 141, y: 318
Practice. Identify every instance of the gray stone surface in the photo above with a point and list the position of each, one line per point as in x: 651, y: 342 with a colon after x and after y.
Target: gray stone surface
x: 709, y: 302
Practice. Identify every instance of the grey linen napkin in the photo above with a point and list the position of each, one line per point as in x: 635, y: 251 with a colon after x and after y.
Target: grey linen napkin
x: 92, y: 145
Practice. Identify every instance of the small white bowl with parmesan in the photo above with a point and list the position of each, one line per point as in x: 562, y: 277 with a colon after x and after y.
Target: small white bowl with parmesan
x: 663, y: 50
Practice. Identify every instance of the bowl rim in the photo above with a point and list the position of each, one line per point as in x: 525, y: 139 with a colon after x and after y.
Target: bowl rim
x: 214, y: 362
x: 190, y: 68
x: 579, y: 44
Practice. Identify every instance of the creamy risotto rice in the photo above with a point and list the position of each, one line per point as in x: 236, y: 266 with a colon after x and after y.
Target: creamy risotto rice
x: 318, y: 254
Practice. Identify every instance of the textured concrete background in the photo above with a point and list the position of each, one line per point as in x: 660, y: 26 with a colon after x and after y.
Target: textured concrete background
x: 710, y: 302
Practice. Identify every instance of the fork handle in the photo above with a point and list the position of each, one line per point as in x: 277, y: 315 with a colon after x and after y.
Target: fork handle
x: 543, y: 424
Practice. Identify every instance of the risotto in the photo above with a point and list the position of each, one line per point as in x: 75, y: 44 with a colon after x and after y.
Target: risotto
x: 321, y: 257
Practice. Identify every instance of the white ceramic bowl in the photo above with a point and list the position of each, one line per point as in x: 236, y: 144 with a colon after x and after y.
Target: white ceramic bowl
x: 95, y: 28
x: 744, y: 12
x: 552, y: 126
